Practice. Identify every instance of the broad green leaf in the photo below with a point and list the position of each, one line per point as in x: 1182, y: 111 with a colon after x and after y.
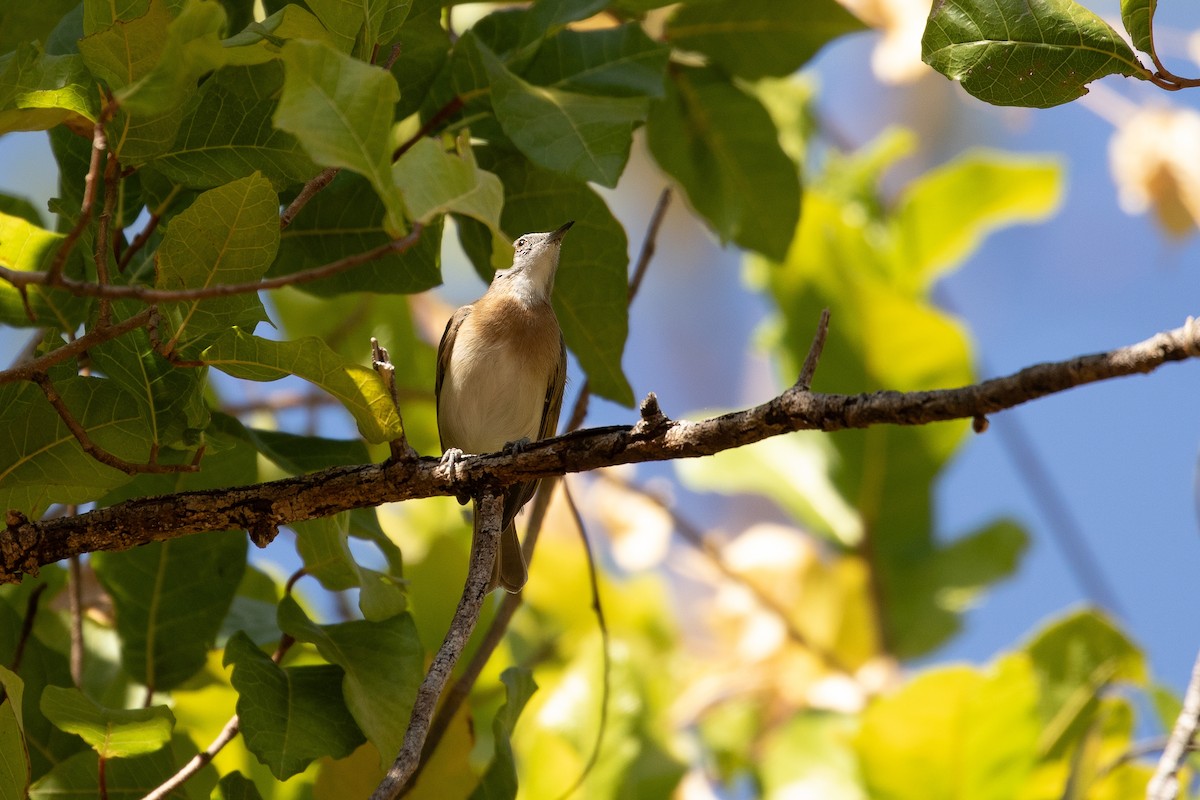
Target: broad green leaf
x: 500, y: 777
x: 227, y: 134
x: 14, y: 754
x: 263, y: 41
x: 112, y: 732
x: 584, y: 136
x: 384, y: 666
x: 28, y: 22
x: 953, y: 732
x: 39, y: 91
x: 435, y: 182
x: 1138, y: 18
x: 290, y: 716
x: 73, y: 154
x: 1039, y: 54
x: 124, y: 778
x: 358, y: 388
x: 794, y: 471
x: 756, y: 38
x: 720, y: 144
x: 297, y: 455
x: 228, y: 236
x: 345, y: 219
x: 171, y: 397
x: 323, y: 545
x: 170, y: 598
x: 192, y: 48
x: 813, y: 754
x: 360, y: 27
x: 42, y: 462
x: 1076, y: 658
x: 424, y: 45
x: 341, y: 111
x: 120, y: 55
x: 236, y: 786
x: 590, y: 290
x: 29, y: 248
x: 100, y: 14
x: 942, y: 217
x: 253, y: 609
x: 620, y: 61
x: 20, y: 208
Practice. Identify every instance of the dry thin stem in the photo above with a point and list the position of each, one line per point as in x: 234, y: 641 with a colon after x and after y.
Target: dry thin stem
x: 94, y: 450
x: 605, y: 644
x: 143, y: 237
x: 111, y: 186
x: 27, y: 370
x: 483, y: 556
x: 1164, y: 785
x: 431, y: 124
x: 814, y: 352
x: 99, y: 147
x: 308, y: 192
x: 149, y: 294
x: 382, y: 363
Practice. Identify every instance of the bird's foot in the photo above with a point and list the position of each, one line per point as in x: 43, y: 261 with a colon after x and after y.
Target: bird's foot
x: 449, y: 467
x: 512, y: 448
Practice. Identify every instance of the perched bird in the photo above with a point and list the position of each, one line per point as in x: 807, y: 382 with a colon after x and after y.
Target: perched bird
x: 501, y: 369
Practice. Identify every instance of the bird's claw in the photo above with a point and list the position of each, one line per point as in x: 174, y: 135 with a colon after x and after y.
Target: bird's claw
x: 449, y: 467
x: 512, y: 448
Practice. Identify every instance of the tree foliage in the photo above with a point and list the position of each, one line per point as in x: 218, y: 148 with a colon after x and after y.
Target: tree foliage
x: 275, y: 180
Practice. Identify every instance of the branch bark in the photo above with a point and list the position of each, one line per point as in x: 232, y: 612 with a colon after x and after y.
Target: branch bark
x: 26, y: 545
x: 1164, y: 784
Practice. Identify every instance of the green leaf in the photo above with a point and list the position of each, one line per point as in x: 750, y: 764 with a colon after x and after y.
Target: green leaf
x: 720, y: 144
x: 323, y: 544
x: 290, y: 716
x: 590, y: 291
x: 435, y: 182
x: 124, y: 778
x: 29, y: 248
x: 236, y: 786
x: 756, y: 38
x: 14, y: 755
x: 171, y: 397
x: 358, y: 388
x: 346, y: 219
x: 226, y: 133
x: 1138, y: 18
x: 228, y: 235
x: 953, y: 732
x: 360, y: 27
x: 384, y: 666
x: 112, y: 733
x: 812, y: 750
x: 500, y: 778
x: 44, y: 463
x: 620, y: 61
x: 263, y: 41
x: 1076, y: 658
x: 170, y: 598
x: 27, y: 22
x: 1039, y: 54
x: 14, y: 206
x: 39, y: 91
x: 100, y: 14
x: 192, y: 48
x: 584, y: 136
x: 942, y: 217
x: 341, y: 111
x: 424, y: 45
x: 297, y: 455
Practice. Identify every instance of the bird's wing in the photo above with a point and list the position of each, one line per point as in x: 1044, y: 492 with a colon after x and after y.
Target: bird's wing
x: 445, y: 348
x: 554, y: 393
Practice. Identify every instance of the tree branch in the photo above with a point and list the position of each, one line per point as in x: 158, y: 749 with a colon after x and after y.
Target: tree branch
x: 27, y: 370
x: 483, y: 556
x: 1164, y: 785
x: 26, y: 545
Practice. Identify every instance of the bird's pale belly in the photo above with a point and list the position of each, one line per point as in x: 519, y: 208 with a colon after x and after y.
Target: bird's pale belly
x: 489, y: 398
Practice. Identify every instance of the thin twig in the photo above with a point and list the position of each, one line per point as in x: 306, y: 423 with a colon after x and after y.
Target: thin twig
x: 382, y: 363
x: 441, y: 115
x: 698, y: 540
x: 31, y: 610
x: 814, y: 352
x: 143, y: 237
x: 1164, y: 785
x: 149, y: 294
x: 605, y: 645
x: 308, y: 192
x: 91, y: 448
x: 649, y: 242
x: 75, y: 600
x: 483, y: 556
x: 26, y: 370
x: 90, y: 181
x: 111, y: 190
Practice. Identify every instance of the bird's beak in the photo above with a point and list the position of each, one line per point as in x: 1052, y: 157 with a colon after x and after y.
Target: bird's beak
x: 557, y: 236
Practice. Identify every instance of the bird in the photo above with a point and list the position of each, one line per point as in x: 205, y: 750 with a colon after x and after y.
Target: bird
x: 501, y: 371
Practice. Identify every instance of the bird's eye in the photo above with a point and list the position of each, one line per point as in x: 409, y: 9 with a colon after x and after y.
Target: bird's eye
x: 520, y: 242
